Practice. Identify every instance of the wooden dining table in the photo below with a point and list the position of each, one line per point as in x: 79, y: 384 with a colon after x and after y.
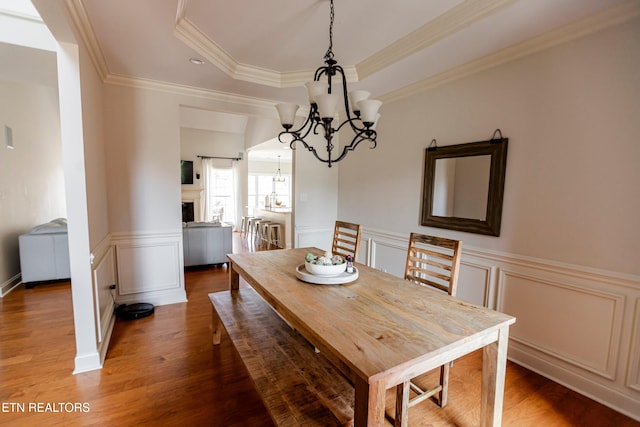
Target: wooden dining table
x: 380, y: 330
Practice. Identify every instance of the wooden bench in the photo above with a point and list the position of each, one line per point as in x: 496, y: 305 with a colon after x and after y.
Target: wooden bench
x: 298, y: 386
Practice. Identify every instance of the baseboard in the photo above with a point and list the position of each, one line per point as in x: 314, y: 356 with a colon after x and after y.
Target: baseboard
x: 87, y: 362
x: 155, y: 297
x: 595, y: 390
x: 10, y: 285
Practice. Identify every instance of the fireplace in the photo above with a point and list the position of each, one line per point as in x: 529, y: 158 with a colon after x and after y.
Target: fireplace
x: 191, y: 203
x: 188, y: 212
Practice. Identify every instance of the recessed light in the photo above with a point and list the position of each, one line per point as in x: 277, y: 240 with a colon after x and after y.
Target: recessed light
x: 196, y: 61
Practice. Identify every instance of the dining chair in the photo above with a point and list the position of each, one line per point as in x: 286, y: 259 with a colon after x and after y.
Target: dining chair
x: 346, y: 239
x: 431, y: 261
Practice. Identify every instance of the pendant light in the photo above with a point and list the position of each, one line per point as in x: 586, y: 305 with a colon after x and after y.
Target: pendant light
x: 361, y: 112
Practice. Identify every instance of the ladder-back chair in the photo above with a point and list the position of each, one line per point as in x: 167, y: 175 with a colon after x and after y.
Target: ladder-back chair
x: 431, y: 261
x: 346, y: 239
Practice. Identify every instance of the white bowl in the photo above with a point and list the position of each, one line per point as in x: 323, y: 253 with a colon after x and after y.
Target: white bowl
x: 325, y: 270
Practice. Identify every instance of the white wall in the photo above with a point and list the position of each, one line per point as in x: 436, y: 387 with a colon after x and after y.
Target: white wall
x: 31, y: 175
x: 142, y: 135
x: 571, y: 117
x: 566, y: 262
x: 270, y: 167
x: 315, y: 199
x: 198, y: 142
x: 261, y: 129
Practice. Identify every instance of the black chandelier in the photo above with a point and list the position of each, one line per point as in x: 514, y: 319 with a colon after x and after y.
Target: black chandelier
x: 323, y: 108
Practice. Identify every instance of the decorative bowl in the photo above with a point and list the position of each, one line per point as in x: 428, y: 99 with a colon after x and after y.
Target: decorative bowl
x: 325, y: 270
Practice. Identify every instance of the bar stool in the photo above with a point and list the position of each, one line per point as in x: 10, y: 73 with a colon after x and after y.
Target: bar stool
x: 274, y: 234
x: 244, y: 224
x: 252, y: 227
x: 262, y: 230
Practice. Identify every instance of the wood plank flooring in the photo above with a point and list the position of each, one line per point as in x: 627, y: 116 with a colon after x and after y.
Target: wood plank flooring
x: 163, y: 371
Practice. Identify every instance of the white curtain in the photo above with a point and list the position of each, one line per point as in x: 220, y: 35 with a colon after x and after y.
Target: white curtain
x: 236, y: 202
x: 220, y: 190
x: 207, y: 182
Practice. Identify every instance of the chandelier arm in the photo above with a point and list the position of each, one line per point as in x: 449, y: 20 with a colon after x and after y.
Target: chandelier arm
x: 355, y: 142
x: 309, y: 123
x: 315, y: 153
x: 351, y: 122
x: 320, y: 72
x: 345, y: 95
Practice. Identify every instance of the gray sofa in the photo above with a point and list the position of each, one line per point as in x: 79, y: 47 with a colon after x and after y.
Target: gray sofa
x: 205, y: 243
x: 44, y: 252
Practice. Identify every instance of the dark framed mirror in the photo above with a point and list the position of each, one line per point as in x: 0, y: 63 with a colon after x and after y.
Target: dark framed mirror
x: 463, y: 186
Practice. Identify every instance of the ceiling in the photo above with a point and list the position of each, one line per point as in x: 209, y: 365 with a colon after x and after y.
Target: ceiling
x: 268, y: 49
x: 263, y: 51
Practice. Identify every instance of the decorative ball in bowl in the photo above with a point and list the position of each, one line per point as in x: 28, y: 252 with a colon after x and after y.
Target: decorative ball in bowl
x: 325, y: 266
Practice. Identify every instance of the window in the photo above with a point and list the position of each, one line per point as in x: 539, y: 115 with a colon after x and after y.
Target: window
x: 262, y: 185
x: 220, y: 199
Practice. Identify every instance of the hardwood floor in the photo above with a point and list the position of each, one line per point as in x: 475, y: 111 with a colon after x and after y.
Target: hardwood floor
x: 163, y: 371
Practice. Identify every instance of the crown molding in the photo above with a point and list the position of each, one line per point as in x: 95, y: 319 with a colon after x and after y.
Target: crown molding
x: 190, y: 91
x: 187, y: 32
x: 437, y: 29
x: 20, y: 15
x: 468, y: 11
x: 85, y: 30
x: 457, y: 18
x: 611, y: 17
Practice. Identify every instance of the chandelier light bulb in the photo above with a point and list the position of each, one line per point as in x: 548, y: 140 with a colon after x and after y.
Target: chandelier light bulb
x: 314, y: 89
x: 355, y: 96
x: 327, y: 103
x: 368, y: 110
x: 287, y: 112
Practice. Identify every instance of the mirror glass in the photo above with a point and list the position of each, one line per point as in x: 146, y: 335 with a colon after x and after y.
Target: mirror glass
x: 463, y: 186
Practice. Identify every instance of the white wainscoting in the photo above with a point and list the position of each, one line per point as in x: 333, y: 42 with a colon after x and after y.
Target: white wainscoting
x: 103, y: 272
x: 633, y: 378
x: 575, y: 325
x: 104, y: 275
x: 150, y: 267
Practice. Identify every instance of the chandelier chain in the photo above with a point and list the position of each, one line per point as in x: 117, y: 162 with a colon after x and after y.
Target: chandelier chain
x: 329, y: 54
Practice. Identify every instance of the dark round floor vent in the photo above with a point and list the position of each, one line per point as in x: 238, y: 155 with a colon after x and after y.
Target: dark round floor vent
x: 134, y: 311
